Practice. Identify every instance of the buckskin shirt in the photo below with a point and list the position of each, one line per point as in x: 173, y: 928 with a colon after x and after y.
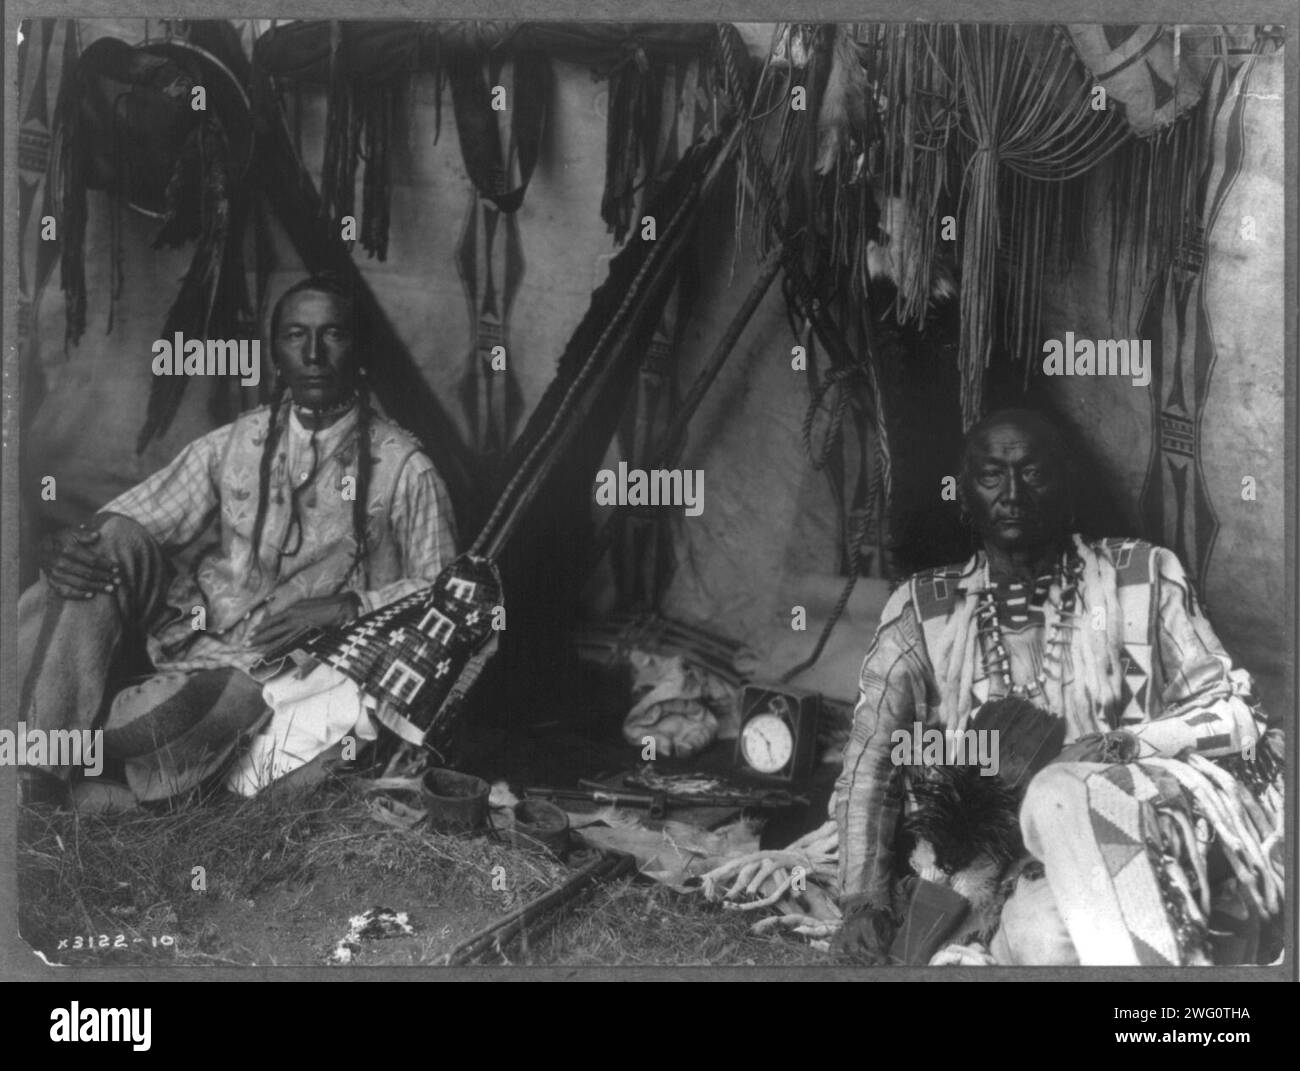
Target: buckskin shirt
x: 1172, y: 684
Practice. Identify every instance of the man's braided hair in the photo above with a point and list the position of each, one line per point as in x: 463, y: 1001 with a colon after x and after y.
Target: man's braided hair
x: 323, y: 283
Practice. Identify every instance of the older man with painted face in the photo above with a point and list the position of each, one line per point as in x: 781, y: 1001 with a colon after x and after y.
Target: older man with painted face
x: 299, y: 515
x: 1105, y: 634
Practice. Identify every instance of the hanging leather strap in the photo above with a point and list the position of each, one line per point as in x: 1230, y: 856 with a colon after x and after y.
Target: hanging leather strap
x: 476, y: 122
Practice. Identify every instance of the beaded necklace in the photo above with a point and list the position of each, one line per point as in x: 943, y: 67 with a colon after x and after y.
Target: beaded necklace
x: 306, y: 412
x: 996, y: 658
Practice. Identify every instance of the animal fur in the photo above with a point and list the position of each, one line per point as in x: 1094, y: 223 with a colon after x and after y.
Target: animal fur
x: 963, y: 816
x: 967, y: 833
x: 896, y: 255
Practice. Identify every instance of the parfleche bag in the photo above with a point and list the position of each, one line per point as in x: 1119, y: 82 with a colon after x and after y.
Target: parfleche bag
x: 418, y: 657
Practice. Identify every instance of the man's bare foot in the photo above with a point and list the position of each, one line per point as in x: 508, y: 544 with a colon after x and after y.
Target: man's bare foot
x: 100, y: 796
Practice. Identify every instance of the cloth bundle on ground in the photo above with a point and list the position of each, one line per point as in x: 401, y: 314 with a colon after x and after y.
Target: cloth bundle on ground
x: 684, y: 679
x: 682, y: 708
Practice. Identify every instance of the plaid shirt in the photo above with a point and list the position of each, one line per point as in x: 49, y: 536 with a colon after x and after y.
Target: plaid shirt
x: 201, y: 510
x: 1180, y: 690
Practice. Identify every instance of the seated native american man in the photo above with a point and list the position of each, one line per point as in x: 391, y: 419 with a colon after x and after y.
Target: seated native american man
x: 1104, y: 634
x: 323, y: 511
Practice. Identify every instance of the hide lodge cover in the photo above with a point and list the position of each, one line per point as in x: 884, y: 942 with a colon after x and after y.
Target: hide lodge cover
x: 465, y: 254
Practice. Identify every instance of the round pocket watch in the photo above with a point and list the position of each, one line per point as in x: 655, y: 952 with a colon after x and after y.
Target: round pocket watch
x: 778, y: 731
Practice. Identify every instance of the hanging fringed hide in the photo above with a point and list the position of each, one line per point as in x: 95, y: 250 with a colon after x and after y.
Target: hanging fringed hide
x: 376, y: 195
x: 844, y: 109
x: 67, y: 187
x: 204, y: 162
x: 476, y: 121
x: 1013, y: 106
x: 359, y: 123
x: 342, y: 134
x: 1143, y: 68
x: 125, y: 125
x: 41, y: 74
x: 635, y: 89
x: 1156, y: 187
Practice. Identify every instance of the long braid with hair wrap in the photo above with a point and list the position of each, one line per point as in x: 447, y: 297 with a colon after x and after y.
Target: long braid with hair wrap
x: 360, y: 504
x: 264, y: 471
x: 324, y: 284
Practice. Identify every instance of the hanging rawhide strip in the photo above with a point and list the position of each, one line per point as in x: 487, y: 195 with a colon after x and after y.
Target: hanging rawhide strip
x: 376, y: 190
x: 632, y: 123
x: 206, y: 201
x: 67, y: 185
x: 1151, y: 233
x: 42, y: 58
x: 1012, y: 107
x: 194, y: 313
x: 357, y: 59
x: 812, y: 193
x: 358, y: 125
x: 1155, y: 183
x: 815, y: 178
x: 124, y: 124
x: 472, y: 88
x: 813, y: 189
x: 342, y: 136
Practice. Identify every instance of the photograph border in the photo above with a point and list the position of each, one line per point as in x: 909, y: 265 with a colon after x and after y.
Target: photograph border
x: 19, y: 962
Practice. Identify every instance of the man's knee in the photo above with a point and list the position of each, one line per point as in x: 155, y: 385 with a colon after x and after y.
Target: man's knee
x: 142, y: 577
x: 1033, y: 931
x: 1057, y: 788
x: 1055, y: 810
x: 121, y: 536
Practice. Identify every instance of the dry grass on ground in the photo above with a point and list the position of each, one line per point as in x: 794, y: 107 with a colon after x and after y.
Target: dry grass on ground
x: 284, y: 873
x: 632, y: 924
